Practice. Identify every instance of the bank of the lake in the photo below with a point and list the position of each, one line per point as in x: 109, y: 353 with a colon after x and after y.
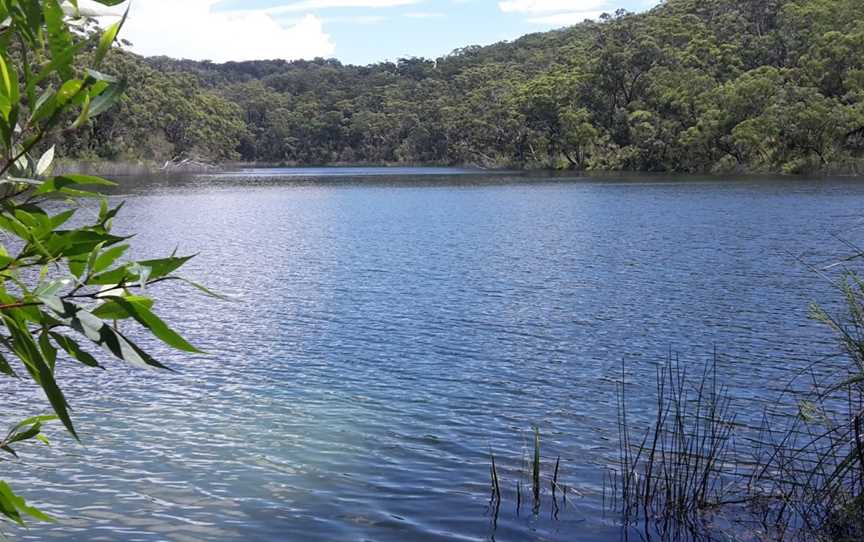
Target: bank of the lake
x: 130, y: 168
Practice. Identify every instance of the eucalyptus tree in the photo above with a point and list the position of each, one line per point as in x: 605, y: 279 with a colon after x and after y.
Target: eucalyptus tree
x: 60, y: 285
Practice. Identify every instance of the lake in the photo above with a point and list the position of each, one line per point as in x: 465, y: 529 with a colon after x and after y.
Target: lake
x: 392, y: 327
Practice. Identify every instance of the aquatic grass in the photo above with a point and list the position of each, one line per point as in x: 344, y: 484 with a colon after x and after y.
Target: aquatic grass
x: 496, y: 487
x: 678, y: 469
x: 533, y: 472
x: 535, y: 468
x: 799, y: 477
x: 518, y: 496
x: 554, y: 483
x: 809, y: 482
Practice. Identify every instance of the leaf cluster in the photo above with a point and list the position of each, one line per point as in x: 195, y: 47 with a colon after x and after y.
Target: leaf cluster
x: 67, y: 288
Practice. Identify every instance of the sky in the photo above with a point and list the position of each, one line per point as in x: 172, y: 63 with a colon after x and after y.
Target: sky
x: 354, y: 31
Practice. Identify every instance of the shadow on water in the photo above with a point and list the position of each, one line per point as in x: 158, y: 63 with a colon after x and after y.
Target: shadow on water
x: 444, y: 177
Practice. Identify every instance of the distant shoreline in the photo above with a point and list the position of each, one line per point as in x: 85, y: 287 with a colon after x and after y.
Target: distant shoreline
x: 150, y: 167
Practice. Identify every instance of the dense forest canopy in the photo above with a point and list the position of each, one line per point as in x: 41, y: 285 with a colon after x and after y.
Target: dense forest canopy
x: 692, y: 85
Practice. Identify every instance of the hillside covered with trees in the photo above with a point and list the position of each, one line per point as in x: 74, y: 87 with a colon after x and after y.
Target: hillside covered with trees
x: 692, y: 85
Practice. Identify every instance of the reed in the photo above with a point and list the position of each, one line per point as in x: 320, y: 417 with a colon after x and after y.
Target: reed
x: 496, y: 487
x: 533, y: 471
x: 675, y: 471
x: 554, y: 483
x: 535, y: 468
x: 808, y: 483
x: 518, y: 496
x: 800, y: 478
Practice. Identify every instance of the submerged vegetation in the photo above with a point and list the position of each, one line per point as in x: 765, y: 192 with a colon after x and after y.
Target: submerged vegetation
x: 691, y: 86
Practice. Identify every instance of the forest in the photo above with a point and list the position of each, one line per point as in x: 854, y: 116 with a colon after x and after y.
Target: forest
x: 690, y: 86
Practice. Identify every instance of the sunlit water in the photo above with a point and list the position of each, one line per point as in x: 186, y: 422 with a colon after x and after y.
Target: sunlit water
x: 391, y: 330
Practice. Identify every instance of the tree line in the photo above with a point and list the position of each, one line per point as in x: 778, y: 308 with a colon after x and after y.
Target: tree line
x: 690, y: 86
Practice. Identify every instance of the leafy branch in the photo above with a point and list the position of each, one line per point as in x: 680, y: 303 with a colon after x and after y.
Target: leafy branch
x: 50, y: 86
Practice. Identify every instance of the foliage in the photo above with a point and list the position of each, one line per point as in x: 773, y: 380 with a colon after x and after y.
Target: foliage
x: 692, y: 85
x: 162, y: 116
x: 59, y: 283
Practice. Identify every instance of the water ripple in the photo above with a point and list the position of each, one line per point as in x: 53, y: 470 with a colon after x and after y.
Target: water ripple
x: 390, y: 332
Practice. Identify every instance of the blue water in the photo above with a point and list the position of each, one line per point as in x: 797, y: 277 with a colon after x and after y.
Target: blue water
x: 389, y: 331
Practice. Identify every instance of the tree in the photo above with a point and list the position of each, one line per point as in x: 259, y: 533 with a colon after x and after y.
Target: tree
x: 578, y: 135
x: 681, y: 87
x: 60, y: 284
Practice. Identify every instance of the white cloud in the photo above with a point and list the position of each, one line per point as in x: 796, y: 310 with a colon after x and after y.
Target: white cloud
x: 555, y: 12
x: 357, y: 19
x: 424, y: 15
x: 549, y: 6
x: 311, y: 5
x: 194, y: 29
x: 566, y: 19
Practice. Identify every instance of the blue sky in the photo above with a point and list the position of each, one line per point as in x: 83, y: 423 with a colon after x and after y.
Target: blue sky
x: 354, y: 31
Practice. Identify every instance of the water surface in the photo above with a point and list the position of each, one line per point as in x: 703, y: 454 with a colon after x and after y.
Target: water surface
x: 391, y: 330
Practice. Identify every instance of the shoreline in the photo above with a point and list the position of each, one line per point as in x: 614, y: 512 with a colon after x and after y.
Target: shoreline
x: 150, y: 167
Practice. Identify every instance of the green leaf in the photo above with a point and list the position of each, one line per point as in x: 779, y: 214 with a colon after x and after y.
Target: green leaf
x: 52, y: 287
x: 48, y: 350
x: 75, y: 243
x: 91, y: 258
x: 7, y: 504
x: 59, y: 38
x: 35, y: 419
x: 107, y: 258
x: 105, y: 214
x: 45, y: 105
x: 84, y: 116
x: 27, y: 350
x: 206, y: 290
x: 71, y: 347
x: 152, y: 322
x: 158, y: 269
x: 107, y: 98
x: 111, y: 310
x: 105, y: 43
x: 68, y: 91
x: 9, y: 92
x: 100, y: 333
x: 5, y: 368
x: 30, y: 428
x: 45, y: 161
x: 9, y: 500
x: 60, y: 219
x: 14, y: 226
x: 63, y: 182
x: 26, y: 434
x: 103, y: 77
x: 108, y: 38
